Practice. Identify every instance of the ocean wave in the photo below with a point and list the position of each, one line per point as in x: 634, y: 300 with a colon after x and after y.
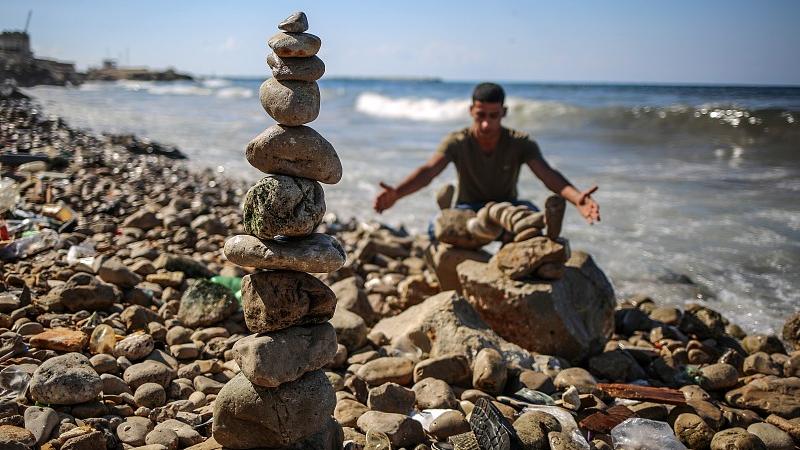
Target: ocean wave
x: 215, y: 82
x: 179, y: 89
x: 411, y: 108
x: 235, y: 92
x: 726, y: 123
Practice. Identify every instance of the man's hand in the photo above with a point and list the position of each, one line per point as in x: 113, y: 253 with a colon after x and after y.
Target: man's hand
x: 588, y: 208
x: 386, y: 198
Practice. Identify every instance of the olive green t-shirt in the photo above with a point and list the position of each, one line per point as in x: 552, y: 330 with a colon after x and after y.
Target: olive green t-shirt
x: 486, y: 177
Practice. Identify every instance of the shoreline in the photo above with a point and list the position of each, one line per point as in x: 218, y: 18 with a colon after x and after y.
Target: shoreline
x: 158, y: 224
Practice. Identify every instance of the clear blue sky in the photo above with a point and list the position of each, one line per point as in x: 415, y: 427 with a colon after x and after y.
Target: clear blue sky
x: 733, y: 41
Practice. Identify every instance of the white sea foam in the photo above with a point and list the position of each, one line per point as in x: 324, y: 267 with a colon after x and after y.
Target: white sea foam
x: 420, y: 109
x: 235, y: 92
x: 426, y: 109
x: 215, y: 82
x: 179, y: 89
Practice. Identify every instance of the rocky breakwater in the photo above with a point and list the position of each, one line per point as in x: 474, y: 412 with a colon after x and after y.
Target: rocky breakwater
x: 282, y: 398
x: 534, y: 292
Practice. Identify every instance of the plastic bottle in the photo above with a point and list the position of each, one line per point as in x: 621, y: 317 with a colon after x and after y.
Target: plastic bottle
x: 30, y: 245
x: 103, y: 340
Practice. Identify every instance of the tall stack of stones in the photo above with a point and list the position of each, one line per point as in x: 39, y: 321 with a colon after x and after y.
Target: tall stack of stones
x: 282, y: 398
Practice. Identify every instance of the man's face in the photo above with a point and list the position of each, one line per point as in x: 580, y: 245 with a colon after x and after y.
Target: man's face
x: 486, y: 117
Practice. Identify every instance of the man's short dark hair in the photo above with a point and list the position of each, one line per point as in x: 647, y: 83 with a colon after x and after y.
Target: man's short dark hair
x: 489, y: 93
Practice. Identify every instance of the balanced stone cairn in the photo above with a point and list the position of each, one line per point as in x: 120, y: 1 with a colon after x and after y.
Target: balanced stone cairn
x: 282, y: 398
x: 535, y: 248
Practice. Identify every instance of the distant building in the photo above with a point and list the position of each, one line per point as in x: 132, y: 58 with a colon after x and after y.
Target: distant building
x: 18, y: 62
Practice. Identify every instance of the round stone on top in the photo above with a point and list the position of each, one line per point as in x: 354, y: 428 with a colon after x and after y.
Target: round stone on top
x: 294, y: 45
x: 283, y: 205
x: 290, y: 103
x: 296, y: 23
x: 297, y: 151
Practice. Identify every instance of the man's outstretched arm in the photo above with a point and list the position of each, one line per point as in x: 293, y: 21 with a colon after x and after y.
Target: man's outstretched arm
x: 419, y: 178
x: 559, y: 184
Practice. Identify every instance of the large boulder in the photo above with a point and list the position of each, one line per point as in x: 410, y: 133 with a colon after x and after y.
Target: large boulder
x: 570, y: 317
x: 444, y: 258
x: 250, y: 416
x: 446, y: 324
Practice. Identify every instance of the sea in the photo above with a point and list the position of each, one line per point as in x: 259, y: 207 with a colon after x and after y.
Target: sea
x: 699, y: 186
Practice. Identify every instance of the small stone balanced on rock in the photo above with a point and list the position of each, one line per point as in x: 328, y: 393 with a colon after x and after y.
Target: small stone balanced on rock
x: 282, y: 398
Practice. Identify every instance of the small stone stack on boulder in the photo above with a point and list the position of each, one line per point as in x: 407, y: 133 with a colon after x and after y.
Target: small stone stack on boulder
x: 282, y: 398
x: 533, y: 292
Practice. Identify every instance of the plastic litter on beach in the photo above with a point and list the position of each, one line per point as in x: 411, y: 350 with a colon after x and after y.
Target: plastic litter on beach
x: 645, y: 434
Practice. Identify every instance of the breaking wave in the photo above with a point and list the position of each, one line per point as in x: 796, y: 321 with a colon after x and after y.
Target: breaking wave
x: 699, y: 121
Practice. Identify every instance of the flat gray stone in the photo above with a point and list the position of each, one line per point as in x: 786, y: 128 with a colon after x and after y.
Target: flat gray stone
x: 317, y: 253
x: 278, y: 299
x: 294, y: 45
x: 272, y: 359
x: 250, y: 416
x: 300, y: 69
x: 290, y: 103
x: 295, y: 151
x: 283, y: 205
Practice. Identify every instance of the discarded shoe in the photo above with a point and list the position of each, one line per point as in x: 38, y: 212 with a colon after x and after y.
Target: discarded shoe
x: 491, y: 428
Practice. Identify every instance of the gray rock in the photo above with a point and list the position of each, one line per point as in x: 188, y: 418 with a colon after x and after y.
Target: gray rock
x: 489, y: 372
x: 450, y: 423
x: 205, y: 303
x: 388, y: 369
x: 150, y: 395
x: 693, y: 431
x: 351, y: 330
x: 182, y: 263
x: 84, y: 292
x: 148, y: 371
x: 294, y: 45
x: 317, y: 253
x: 41, y: 422
x: 162, y: 436
x: 616, y: 365
x: 135, y: 347
x: 114, y: 385
x: 299, y: 69
x: 453, y: 369
x: 282, y: 205
x: 300, y: 406
x: 348, y: 411
x: 403, y: 431
x: 570, y: 317
x: 450, y: 227
x: 445, y: 324
x: 272, y: 359
x: 736, y: 439
x: 113, y: 271
x: 773, y: 437
x: 295, y: 23
x: 65, y: 380
x: 273, y: 300
x: 290, y: 103
x: 295, y: 151
x: 575, y: 376
x: 391, y: 398
x: 187, y: 435
x: 719, y: 376
x: 434, y: 394
x: 134, y: 430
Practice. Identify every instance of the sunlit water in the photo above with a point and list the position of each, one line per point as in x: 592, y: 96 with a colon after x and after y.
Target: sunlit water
x: 697, y: 184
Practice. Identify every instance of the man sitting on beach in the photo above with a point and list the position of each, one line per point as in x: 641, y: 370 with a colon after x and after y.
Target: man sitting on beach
x: 488, y: 158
